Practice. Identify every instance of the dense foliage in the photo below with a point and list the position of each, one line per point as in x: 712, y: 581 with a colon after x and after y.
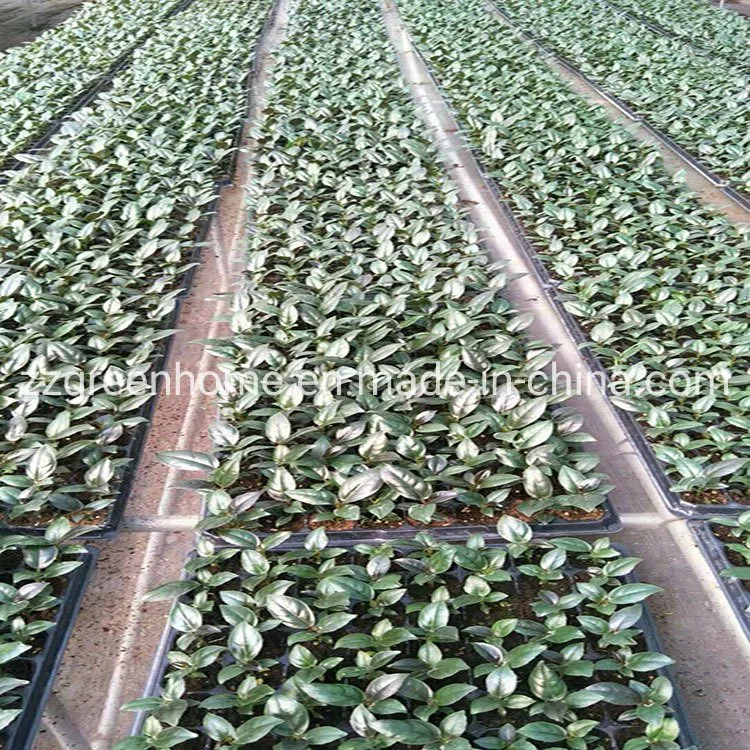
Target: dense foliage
x: 701, y: 103
x: 439, y: 646
x: 40, y: 79
x: 361, y: 268
x: 658, y: 282
x: 717, y: 31
x: 95, y: 236
x: 34, y: 572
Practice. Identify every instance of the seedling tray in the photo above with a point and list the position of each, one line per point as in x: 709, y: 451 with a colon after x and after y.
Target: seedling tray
x: 615, y: 732
x: 713, y: 550
x: 134, y: 449
x: 673, y: 501
x: 41, y: 668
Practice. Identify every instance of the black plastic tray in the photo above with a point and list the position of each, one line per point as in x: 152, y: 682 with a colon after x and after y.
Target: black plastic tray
x: 99, y: 85
x: 651, y: 639
x: 713, y: 549
x: 673, y: 501
x: 134, y: 449
x: 687, y: 737
x: 609, y: 524
x: 21, y: 733
x: 720, y: 182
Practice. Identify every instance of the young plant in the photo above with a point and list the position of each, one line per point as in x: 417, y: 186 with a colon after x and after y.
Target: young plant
x: 737, y: 545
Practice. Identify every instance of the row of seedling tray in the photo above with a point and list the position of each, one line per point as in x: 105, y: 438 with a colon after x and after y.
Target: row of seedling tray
x: 40, y: 663
x: 27, y: 675
x: 673, y: 500
x: 712, y: 537
x: 85, y: 98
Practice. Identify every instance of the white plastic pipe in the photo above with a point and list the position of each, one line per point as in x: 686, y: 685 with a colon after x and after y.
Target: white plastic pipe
x: 31, y: 11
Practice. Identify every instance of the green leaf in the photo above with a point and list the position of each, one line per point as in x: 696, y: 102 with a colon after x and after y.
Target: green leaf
x: 278, y: 428
x: 433, y: 616
x: 522, y: 655
x: 450, y: 694
x: 501, y: 682
x: 648, y: 661
x: 292, y: 612
x: 405, y: 483
x: 408, y: 731
x: 454, y: 725
x: 546, y: 684
x: 256, y: 728
x: 360, y: 487
x: 334, y: 695
x: 185, y: 619
x: 291, y: 712
x: 615, y: 693
x: 11, y: 651
x: 384, y: 687
x: 8, y: 716
x: 630, y: 593
x: 218, y: 728
x: 743, y: 573
x: 244, y: 642
x: 513, y: 529
x: 170, y: 591
x: 323, y: 735
x: 543, y: 731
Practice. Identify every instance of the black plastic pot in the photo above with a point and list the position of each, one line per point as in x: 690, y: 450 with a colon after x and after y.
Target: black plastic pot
x: 673, y: 501
x: 42, y: 667
x: 609, y: 728
x: 713, y: 550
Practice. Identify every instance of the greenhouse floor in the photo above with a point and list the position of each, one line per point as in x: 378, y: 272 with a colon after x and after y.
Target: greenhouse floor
x: 110, y: 656
x: 742, y: 6
x: 15, y: 26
